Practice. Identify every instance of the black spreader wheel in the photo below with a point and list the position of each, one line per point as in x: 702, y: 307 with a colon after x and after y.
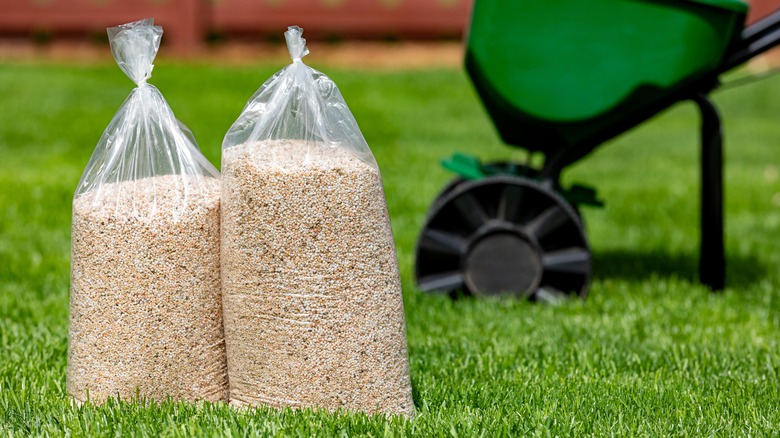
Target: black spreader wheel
x: 505, y: 167
x: 503, y: 235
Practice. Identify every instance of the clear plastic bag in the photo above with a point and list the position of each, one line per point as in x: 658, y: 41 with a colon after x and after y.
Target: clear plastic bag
x: 145, y: 305
x: 311, y: 291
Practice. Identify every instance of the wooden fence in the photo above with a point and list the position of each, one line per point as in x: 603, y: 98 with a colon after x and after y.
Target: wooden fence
x: 188, y: 23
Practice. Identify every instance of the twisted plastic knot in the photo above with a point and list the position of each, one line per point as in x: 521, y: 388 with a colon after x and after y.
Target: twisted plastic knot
x: 134, y: 46
x: 296, y: 44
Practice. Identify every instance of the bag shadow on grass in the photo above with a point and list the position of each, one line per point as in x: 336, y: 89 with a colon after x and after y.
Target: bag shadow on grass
x: 741, y: 270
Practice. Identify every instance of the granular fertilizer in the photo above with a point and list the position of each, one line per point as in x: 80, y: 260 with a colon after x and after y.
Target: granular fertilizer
x: 311, y: 294
x: 145, y: 306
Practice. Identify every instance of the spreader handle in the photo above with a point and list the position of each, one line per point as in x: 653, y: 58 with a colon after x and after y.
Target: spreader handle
x: 755, y: 40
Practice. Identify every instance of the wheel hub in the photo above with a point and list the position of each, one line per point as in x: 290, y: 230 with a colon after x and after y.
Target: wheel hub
x: 503, y: 262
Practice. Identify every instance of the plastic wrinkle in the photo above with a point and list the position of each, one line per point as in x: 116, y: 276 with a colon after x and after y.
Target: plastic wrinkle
x: 311, y: 295
x: 299, y: 102
x: 290, y: 320
x: 254, y: 296
x: 144, y: 139
x: 263, y: 399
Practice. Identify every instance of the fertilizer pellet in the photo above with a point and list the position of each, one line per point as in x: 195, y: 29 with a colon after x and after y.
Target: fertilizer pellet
x: 145, y: 306
x: 311, y: 294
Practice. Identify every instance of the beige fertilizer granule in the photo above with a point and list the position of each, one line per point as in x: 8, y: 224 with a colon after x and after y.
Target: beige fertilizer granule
x: 145, y: 305
x: 311, y: 293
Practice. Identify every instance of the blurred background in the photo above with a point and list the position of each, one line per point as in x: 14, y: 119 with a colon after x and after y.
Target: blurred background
x: 410, y: 32
x: 193, y: 25
x: 190, y: 24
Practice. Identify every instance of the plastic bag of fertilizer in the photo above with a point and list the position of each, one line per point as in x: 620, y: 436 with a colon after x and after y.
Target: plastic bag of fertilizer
x: 145, y: 304
x: 311, y: 292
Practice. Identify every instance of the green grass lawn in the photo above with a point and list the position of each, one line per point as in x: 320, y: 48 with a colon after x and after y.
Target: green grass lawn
x: 649, y: 352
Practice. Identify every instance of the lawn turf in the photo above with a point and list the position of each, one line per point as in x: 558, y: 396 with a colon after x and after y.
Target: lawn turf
x: 649, y: 352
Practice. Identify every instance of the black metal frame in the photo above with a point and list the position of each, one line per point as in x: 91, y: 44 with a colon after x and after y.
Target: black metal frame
x: 712, y: 256
x: 756, y: 39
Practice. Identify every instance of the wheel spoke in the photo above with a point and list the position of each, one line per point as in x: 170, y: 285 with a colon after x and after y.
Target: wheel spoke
x: 510, y: 202
x: 549, y: 294
x: 443, y: 242
x: 445, y: 282
x: 572, y: 260
x: 471, y: 210
x: 546, y: 222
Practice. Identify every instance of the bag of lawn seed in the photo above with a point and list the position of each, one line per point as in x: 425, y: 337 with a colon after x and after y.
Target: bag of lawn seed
x: 311, y: 292
x: 145, y: 303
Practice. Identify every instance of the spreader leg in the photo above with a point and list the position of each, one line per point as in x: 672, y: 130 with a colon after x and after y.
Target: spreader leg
x: 712, y: 259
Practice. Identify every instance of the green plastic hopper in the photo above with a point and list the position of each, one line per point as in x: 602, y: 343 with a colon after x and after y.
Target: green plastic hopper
x: 557, y: 72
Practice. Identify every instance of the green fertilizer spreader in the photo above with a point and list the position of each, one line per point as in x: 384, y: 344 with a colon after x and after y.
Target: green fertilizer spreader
x: 559, y: 78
